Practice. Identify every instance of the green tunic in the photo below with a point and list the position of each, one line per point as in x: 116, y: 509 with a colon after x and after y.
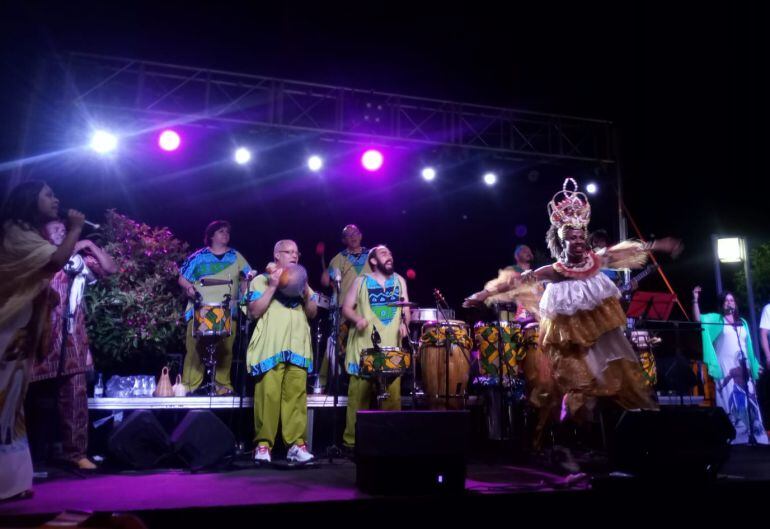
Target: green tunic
x: 282, y: 333
x: 371, y: 303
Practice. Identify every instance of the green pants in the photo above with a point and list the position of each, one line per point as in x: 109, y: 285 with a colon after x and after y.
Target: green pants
x: 193, y: 370
x: 360, y: 394
x: 280, y: 395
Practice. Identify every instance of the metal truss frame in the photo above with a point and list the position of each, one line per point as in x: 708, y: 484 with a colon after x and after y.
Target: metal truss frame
x: 183, y: 94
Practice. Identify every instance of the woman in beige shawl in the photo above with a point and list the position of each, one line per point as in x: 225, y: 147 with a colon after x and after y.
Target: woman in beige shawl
x: 27, y: 262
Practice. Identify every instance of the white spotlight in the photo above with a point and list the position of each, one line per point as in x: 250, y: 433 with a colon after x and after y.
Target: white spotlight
x: 242, y: 156
x: 592, y: 188
x: 490, y: 179
x: 315, y: 163
x: 103, y: 142
x: 429, y: 173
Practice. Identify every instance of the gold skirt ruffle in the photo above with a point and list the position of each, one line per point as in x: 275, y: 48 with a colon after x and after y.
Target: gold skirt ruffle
x: 584, y: 327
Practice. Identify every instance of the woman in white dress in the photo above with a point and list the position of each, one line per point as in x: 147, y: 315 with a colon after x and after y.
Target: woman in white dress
x: 729, y: 354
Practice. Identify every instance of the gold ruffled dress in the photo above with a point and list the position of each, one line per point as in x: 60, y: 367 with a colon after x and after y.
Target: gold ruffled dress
x: 581, y: 330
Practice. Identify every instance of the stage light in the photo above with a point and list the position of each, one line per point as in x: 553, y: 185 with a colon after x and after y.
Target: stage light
x: 490, y: 179
x: 242, y: 156
x: 592, y: 188
x: 428, y: 174
x: 104, y: 142
x: 372, y: 160
x: 731, y: 249
x: 169, y: 140
x: 315, y: 163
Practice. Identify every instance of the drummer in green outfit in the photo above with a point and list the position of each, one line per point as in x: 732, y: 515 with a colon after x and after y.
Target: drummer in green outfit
x: 366, y: 305
x: 214, y: 261
x: 280, y: 354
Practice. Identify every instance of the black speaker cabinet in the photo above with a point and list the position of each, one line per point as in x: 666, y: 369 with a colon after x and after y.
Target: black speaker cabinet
x: 682, y: 442
x: 421, y: 452
x: 202, y: 440
x: 139, y: 441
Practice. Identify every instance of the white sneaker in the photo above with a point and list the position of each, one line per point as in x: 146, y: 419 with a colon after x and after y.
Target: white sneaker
x: 262, y: 454
x: 299, y: 454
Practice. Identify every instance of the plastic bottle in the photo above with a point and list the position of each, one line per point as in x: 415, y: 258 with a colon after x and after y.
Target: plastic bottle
x: 99, y: 388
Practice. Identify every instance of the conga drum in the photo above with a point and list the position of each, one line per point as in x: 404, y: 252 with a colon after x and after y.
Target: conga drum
x: 434, y: 362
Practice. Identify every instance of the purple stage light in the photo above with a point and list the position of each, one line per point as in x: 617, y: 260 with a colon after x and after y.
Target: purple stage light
x: 372, y: 160
x: 169, y: 140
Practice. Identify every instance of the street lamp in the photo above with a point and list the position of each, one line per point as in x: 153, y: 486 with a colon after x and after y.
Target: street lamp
x: 735, y: 250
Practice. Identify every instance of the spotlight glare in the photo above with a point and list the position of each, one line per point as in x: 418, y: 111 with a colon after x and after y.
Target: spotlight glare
x: 428, y: 174
x: 169, y: 140
x: 315, y: 163
x: 372, y: 160
x: 592, y: 188
x: 103, y: 142
x: 242, y: 155
x: 490, y: 179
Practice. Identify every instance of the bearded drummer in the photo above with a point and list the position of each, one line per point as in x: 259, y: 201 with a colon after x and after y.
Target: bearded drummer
x: 280, y: 354
x: 369, y: 307
x: 216, y: 260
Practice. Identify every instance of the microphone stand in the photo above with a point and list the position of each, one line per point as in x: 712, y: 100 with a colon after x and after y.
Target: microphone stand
x: 241, y: 349
x: 334, y: 313
x: 746, y: 378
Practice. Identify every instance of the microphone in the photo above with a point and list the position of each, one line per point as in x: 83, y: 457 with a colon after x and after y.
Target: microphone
x: 338, y: 281
x: 376, y: 337
x: 92, y: 224
x: 211, y: 282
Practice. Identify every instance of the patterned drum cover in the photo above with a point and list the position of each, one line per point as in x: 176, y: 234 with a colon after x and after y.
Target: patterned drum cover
x: 342, y: 338
x: 642, y: 343
x: 514, y: 348
x: 434, y: 333
x: 649, y: 367
x: 391, y: 361
x: 212, y: 320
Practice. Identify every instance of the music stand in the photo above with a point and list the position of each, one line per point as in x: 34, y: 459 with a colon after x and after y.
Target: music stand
x: 651, y: 305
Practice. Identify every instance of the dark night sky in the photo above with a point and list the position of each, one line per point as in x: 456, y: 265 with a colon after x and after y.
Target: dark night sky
x: 683, y: 85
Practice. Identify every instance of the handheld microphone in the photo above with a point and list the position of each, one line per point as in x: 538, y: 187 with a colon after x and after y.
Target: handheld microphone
x: 338, y: 281
x: 88, y: 222
x: 210, y: 282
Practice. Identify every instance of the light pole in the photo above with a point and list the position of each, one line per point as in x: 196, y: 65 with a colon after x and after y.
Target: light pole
x: 735, y: 250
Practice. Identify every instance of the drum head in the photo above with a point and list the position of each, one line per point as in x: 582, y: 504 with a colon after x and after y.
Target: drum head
x: 293, y: 280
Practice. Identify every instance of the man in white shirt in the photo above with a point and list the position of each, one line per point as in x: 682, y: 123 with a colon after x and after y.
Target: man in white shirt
x: 764, y: 331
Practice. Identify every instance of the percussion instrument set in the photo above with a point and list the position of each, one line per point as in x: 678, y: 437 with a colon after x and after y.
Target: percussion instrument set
x: 212, y: 322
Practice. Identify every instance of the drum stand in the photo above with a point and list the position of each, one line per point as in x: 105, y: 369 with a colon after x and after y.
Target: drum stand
x: 210, y: 343
x: 417, y: 391
x: 506, y: 422
x: 448, y: 346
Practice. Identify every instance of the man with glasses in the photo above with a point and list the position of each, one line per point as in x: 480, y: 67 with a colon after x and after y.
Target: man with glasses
x: 280, y: 353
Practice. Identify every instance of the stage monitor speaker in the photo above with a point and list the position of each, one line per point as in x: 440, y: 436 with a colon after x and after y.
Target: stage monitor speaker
x: 202, y: 440
x: 140, y: 441
x: 422, y: 452
x: 677, y: 442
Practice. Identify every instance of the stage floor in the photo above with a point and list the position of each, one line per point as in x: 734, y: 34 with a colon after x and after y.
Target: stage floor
x: 245, y: 485
x: 174, y: 497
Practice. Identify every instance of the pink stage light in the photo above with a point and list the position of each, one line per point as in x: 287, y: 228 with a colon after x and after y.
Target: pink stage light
x: 169, y: 140
x: 372, y: 160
